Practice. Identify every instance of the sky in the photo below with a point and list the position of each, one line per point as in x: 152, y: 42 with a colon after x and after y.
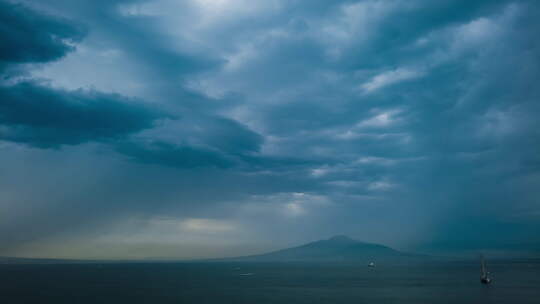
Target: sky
x: 136, y: 129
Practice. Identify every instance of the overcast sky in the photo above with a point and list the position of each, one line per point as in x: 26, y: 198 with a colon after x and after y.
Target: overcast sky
x: 208, y: 128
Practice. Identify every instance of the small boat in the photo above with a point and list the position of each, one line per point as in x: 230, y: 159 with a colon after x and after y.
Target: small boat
x: 371, y: 264
x: 484, y: 274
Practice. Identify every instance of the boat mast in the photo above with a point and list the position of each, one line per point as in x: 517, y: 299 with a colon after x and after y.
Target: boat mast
x: 483, y: 266
x: 484, y: 276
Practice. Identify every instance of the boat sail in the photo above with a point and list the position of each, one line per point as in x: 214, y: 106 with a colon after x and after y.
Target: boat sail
x: 484, y: 274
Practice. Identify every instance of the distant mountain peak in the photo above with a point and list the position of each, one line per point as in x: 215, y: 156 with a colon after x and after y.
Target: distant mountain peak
x: 341, y: 238
x: 335, y: 249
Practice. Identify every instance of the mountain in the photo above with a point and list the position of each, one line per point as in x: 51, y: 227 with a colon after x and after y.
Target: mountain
x: 335, y: 249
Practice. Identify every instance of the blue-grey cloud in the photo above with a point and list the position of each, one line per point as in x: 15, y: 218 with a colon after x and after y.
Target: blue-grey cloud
x: 406, y: 122
x: 30, y: 37
x: 44, y: 117
x: 167, y: 154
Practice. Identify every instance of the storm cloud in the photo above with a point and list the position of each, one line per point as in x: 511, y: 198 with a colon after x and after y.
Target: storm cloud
x: 28, y: 36
x: 178, y: 126
x: 44, y: 117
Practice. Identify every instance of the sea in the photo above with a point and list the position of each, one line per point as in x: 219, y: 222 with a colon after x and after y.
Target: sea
x: 514, y: 282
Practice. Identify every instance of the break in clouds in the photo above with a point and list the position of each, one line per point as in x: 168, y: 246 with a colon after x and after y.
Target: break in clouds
x: 207, y: 128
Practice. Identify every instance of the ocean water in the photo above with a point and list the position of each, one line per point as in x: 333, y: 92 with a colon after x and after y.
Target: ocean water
x: 258, y: 283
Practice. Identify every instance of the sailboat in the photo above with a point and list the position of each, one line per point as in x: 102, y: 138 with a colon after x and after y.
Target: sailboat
x: 484, y: 274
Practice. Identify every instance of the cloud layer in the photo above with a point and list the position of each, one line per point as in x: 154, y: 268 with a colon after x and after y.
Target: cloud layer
x: 411, y: 123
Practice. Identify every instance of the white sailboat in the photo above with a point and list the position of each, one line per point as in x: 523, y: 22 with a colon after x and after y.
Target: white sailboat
x: 484, y: 274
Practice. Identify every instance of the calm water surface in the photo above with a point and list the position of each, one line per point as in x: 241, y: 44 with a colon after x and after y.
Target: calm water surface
x: 455, y: 282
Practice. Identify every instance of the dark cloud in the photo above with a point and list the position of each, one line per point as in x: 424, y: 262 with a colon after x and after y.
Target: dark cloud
x: 167, y: 154
x: 411, y: 123
x: 404, y: 24
x: 44, y: 117
x: 225, y: 135
x: 41, y: 116
x: 162, y: 61
x: 30, y: 37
